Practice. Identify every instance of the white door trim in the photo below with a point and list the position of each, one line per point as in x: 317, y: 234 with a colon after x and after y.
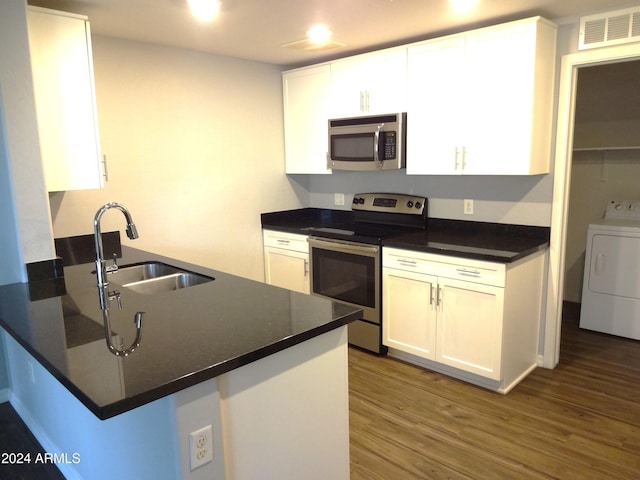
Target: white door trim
x: 561, y: 184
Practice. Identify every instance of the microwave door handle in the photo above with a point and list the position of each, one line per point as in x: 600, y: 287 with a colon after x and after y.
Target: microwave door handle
x: 376, y: 145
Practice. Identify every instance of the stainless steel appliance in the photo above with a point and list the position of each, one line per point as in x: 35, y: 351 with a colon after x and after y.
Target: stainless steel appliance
x: 345, y: 260
x: 368, y: 143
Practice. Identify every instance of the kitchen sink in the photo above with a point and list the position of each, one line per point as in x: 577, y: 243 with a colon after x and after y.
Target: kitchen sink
x: 156, y: 277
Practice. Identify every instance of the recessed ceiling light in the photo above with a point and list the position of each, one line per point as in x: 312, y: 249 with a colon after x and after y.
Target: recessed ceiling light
x: 205, y: 10
x: 462, y: 6
x: 319, y: 34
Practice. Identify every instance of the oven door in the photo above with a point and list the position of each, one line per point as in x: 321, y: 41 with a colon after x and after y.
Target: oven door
x: 347, y: 272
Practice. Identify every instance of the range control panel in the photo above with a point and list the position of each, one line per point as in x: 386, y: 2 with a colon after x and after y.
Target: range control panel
x: 389, y: 203
x: 623, y: 209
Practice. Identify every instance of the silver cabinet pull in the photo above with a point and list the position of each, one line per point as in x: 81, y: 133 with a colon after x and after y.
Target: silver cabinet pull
x: 407, y: 263
x: 456, y: 164
x: 468, y: 273
x: 105, y: 172
x: 464, y: 158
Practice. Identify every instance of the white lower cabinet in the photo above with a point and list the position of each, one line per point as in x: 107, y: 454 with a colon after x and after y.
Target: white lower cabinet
x: 286, y: 260
x: 474, y: 320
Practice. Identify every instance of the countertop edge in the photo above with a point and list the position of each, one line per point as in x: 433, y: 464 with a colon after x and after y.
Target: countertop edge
x: 487, y: 257
x: 117, y: 407
x: 535, y: 238
x: 214, y: 371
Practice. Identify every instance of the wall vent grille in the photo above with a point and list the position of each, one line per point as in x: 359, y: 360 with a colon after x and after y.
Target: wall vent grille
x: 610, y: 28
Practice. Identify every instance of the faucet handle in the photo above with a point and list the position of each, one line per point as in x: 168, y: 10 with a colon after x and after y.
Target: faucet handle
x: 113, y: 267
x: 116, y: 294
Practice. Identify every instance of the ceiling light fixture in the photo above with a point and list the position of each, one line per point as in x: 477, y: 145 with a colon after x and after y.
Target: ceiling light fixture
x: 319, y: 34
x: 462, y: 6
x: 205, y: 10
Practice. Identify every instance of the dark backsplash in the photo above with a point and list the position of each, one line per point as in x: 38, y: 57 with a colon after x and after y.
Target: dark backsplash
x: 81, y: 248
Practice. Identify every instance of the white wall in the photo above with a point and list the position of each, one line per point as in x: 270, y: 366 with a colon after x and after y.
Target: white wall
x: 195, y: 150
x: 524, y: 200
x: 26, y: 226
x: 596, y: 178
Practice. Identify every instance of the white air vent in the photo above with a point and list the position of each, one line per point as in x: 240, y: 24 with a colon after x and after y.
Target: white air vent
x: 610, y: 28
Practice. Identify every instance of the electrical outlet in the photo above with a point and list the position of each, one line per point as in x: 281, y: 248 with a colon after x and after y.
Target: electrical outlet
x: 201, y: 447
x: 338, y: 198
x: 468, y: 207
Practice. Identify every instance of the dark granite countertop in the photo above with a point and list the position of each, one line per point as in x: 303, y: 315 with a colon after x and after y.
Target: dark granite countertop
x: 188, y: 335
x: 494, y: 242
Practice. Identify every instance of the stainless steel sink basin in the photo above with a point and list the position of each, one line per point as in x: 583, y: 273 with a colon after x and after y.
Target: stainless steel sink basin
x: 156, y: 277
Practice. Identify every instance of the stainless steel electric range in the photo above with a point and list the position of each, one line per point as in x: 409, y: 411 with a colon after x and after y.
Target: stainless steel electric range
x: 345, y: 259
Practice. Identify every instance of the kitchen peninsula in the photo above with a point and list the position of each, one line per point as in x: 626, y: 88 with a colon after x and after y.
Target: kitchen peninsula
x: 266, y: 367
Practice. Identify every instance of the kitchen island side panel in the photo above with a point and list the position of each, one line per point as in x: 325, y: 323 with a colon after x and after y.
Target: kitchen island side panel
x: 90, y: 449
x: 287, y: 416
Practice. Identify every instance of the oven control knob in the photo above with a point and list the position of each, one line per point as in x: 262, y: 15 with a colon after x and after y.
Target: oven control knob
x: 409, y: 204
x: 418, y: 205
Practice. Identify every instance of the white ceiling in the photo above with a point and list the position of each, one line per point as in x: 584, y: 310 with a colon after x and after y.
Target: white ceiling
x: 256, y: 29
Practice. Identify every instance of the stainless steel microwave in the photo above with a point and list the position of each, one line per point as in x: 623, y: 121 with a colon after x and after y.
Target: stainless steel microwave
x: 375, y: 142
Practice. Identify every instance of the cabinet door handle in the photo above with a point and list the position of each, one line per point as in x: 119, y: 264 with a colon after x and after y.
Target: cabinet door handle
x: 306, y: 268
x: 438, y: 296
x: 105, y: 172
x: 455, y: 160
x: 361, y: 101
x: 431, y: 295
x: 464, y: 158
x: 282, y: 242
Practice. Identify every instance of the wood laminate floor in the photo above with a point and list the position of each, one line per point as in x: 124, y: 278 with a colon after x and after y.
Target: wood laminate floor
x: 578, y: 421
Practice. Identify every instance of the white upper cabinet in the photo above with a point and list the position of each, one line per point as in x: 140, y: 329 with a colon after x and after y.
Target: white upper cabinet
x: 482, y: 102
x: 62, y: 66
x: 435, y: 122
x: 369, y: 84
x: 306, y: 93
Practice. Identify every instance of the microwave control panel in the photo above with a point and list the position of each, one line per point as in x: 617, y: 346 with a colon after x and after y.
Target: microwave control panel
x: 389, y: 145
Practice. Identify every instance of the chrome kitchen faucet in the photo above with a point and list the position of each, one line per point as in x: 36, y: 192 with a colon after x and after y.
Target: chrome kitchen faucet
x: 102, y: 270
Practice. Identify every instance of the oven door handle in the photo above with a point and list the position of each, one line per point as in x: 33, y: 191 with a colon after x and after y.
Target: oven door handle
x: 343, y: 246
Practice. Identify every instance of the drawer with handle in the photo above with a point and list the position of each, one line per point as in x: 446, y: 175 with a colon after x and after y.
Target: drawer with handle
x: 286, y: 240
x: 445, y: 266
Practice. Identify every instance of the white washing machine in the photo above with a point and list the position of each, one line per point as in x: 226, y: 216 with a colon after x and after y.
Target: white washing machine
x: 611, y: 287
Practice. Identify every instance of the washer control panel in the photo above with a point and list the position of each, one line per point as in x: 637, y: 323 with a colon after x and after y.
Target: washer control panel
x: 623, y: 209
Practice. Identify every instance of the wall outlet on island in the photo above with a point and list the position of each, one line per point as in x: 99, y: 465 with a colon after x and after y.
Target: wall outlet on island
x: 201, y: 447
x: 468, y: 207
x: 338, y: 198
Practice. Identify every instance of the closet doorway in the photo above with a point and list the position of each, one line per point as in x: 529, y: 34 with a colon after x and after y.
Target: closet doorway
x: 570, y: 66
